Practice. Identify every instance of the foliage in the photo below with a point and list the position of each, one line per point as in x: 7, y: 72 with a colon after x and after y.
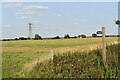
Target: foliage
x: 42, y: 70
x: 57, y: 37
x: 67, y: 36
x: 117, y: 22
x: 37, y: 37
x: 82, y: 36
x: 80, y: 65
x: 94, y: 35
x: 16, y: 39
x: 75, y: 37
x: 79, y: 36
x: 22, y: 38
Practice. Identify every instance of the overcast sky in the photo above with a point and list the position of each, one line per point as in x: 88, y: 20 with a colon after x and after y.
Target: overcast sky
x: 58, y: 18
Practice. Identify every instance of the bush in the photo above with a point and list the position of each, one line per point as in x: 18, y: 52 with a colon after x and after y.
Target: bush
x: 6, y: 39
x: 94, y: 35
x: 57, y: 37
x: 16, y: 38
x: 22, y: 38
x: 82, y: 36
x: 80, y: 65
x: 37, y: 37
x: 67, y: 36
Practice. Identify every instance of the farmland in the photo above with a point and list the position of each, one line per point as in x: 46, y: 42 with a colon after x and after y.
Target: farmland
x: 25, y: 58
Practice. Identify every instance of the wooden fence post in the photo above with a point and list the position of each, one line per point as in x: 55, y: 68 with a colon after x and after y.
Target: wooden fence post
x: 103, y: 46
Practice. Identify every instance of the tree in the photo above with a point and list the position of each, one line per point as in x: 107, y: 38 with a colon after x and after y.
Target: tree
x: 83, y: 35
x: 79, y: 36
x: 22, y: 38
x: 94, y: 35
x: 118, y: 22
x: 57, y: 37
x: 75, y: 36
x: 16, y: 38
x: 67, y: 36
x: 37, y: 37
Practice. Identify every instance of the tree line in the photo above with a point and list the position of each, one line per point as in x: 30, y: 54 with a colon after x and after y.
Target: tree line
x: 66, y: 36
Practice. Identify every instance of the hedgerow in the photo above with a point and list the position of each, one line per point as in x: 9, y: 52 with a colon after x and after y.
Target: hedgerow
x: 80, y: 64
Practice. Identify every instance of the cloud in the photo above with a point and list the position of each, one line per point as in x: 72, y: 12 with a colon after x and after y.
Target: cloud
x: 14, y: 0
x: 7, y: 25
x: 24, y: 12
x: 59, y: 15
x: 22, y: 8
x: 25, y: 17
x: 11, y: 5
x: 30, y: 9
x: 59, y: 1
x: 34, y: 7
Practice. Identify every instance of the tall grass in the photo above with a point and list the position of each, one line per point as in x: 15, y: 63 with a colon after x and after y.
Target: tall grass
x: 79, y: 65
x: 13, y: 63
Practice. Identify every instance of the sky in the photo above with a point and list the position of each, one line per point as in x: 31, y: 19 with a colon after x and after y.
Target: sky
x: 59, y: 0
x: 50, y: 19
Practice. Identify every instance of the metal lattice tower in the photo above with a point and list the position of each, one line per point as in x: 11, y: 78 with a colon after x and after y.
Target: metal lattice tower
x: 30, y: 30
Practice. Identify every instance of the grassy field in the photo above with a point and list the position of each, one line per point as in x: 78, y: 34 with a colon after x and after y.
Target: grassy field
x: 56, y: 45
x: 20, y: 57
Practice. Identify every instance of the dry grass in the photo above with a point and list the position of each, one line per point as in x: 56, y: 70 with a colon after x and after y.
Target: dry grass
x: 76, y: 48
x: 63, y: 49
x: 28, y: 66
x: 18, y: 49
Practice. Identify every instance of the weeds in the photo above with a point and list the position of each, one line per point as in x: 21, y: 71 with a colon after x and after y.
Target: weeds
x: 80, y: 65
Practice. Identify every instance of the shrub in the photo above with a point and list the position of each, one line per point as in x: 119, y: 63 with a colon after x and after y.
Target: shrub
x: 57, y: 37
x: 37, y: 37
x: 67, y: 36
x: 80, y: 65
x: 94, y: 35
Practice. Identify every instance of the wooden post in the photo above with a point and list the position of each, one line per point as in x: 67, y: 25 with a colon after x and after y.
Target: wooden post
x: 103, y: 46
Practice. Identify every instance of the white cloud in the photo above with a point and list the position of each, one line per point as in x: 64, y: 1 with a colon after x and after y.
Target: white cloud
x: 60, y: 0
x: 24, y: 12
x: 59, y: 15
x: 12, y: 5
x: 34, y: 7
x: 30, y: 9
x: 25, y: 17
x: 24, y: 8
x: 14, y: 0
x: 7, y: 25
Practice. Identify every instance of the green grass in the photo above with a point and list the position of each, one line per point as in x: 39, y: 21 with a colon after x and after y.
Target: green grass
x: 13, y: 62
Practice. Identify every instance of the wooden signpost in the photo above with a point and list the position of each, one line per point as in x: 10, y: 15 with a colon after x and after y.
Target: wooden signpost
x: 103, y: 46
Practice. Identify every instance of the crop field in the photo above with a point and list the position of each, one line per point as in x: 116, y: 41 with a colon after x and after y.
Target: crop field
x: 74, y: 58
